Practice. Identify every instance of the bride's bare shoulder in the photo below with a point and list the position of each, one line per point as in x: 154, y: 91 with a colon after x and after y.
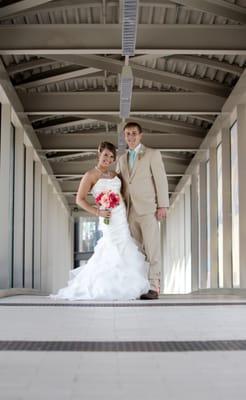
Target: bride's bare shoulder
x: 91, y: 176
x: 92, y: 172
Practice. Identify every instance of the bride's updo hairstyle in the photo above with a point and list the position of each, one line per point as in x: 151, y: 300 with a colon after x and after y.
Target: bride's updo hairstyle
x: 109, y: 146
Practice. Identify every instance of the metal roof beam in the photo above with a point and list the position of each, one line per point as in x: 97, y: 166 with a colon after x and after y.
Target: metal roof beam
x: 217, y: 7
x: 211, y: 63
x: 67, y: 124
x: 167, y: 126
x: 72, y: 156
x: 29, y: 65
x: 88, y: 142
x: 19, y: 7
x: 58, y: 75
x: 150, y: 74
x: 170, y: 126
x: 107, y: 103
x: 159, y: 125
x: 106, y: 39
x: 65, y: 4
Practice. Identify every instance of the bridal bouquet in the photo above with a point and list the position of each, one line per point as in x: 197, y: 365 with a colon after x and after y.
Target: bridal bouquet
x: 108, y: 200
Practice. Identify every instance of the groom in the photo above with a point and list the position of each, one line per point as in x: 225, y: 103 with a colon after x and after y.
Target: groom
x: 145, y: 189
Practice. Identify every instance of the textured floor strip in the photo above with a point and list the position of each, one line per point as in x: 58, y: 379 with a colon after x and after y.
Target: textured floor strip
x: 163, y: 347
x: 142, y: 304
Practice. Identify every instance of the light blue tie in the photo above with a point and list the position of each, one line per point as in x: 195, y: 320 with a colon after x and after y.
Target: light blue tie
x: 132, y: 156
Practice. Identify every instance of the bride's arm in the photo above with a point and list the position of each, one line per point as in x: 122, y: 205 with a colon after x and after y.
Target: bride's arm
x: 85, y: 186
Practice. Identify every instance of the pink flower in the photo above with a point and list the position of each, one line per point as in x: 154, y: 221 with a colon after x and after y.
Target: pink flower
x: 108, y: 200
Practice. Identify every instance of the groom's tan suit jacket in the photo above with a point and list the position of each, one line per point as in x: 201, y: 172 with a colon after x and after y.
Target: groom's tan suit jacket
x: 146, y: 186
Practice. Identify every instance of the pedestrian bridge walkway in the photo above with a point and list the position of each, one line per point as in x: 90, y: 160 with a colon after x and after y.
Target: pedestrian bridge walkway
x: 179, y: 347
x: 72, y: 73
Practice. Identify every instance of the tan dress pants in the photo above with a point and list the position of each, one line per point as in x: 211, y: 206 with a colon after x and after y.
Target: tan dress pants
x: 145, y: 230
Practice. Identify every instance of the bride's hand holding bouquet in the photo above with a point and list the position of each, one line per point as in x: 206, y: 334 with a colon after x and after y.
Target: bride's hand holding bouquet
x: 107, y: 200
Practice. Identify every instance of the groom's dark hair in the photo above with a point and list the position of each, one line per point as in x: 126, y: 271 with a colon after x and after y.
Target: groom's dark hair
x: 133, y: 124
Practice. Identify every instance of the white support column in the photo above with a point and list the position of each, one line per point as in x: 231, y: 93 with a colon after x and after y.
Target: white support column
x: 241, y: 112
x: 226, y: 204
x: 203, y: 226
x: 50, y: 235
x: 5, y: 210
x: 37, y: 226
x: 28, y: 267
x: 194, y: 234
x: 52, y: 240
x: 19, y: 209
x: 44, y: 234
x: 168, y: 252
x: 187, y: 222
x: 59, y: 267
x: 213, y: 192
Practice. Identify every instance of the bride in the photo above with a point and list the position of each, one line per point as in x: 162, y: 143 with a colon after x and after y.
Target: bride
x: 117, y: 270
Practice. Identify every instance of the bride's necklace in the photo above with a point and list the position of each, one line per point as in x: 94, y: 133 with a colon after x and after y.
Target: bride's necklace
x: 106, y: 174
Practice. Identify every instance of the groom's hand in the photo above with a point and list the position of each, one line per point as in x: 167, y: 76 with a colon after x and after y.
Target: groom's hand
x: 161, y: 213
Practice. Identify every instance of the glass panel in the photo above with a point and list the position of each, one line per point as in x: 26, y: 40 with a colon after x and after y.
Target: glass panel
x: 234, y: 207
x: 220, y: 215
x: 88, y: 234
x: 86, y: 237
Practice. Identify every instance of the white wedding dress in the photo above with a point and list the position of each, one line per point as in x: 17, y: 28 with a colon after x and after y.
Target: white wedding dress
x: 117, y: 270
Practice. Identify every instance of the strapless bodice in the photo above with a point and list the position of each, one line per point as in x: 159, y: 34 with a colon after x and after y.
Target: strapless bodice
x: 103, y: 184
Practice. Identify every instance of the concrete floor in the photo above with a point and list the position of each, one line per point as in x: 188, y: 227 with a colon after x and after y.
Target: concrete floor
x: 73, y: 375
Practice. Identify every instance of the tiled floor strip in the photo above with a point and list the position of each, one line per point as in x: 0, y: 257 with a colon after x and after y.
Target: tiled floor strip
x: 142, y: 304
x: 126, y: 346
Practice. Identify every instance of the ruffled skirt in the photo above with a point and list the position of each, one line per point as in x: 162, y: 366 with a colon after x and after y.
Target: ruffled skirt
x: 116, y: 271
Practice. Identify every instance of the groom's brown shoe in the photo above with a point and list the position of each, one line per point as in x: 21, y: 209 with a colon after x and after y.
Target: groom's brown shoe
x: 151, y: 295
